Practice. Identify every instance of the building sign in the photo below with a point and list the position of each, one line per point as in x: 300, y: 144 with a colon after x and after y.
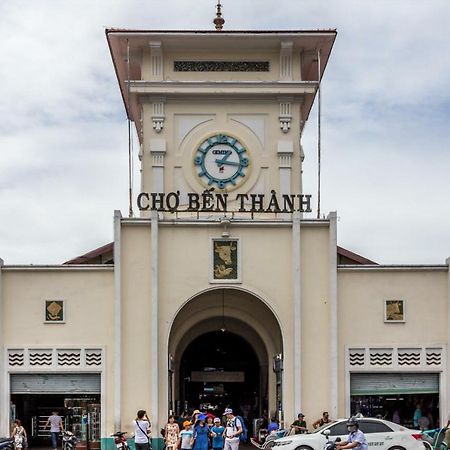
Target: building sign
x: 217, y: 376
x: 218, y: 202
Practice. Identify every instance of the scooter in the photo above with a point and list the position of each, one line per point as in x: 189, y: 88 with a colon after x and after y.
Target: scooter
x: 267, y: 440
x: 434, y: 439
x: 330, y: 445
x: 69, y: 440
x: 6, y: 443
x: 120, y: 440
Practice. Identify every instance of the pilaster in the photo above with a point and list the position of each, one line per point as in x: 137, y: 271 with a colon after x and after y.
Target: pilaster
x: 157, y: 153
x: 156, y: 61
x: 332, y: 217
x: 117, y: 321
x: 4, y: 403
x: 296, y: 308
x: 286, y: 61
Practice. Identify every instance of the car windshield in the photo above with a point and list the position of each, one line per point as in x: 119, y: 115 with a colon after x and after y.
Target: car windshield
x: 323, y: 427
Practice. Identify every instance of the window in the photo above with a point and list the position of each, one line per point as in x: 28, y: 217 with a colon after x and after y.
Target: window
x: 338, y: 429
x: 373, y: 427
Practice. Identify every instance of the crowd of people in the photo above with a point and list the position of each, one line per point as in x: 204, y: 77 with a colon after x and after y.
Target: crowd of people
x: 201, y: 431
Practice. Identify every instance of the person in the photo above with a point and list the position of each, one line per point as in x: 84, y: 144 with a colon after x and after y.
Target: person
x: 232, y: 430
x: 209, y: 424
x: 19, y: 435
x: 417, y: 415
x: 142, y: 431
x: 172, y: 434
x: 396, y: 417
x: 201, y: 433
x: 447, y: 431
x: 217, y: 434
x: 322, y: 421
x: 273, y: 425
x: 56, y: 425
x: 355, y: 439
x: 186, y: 436
x: 299, y: 425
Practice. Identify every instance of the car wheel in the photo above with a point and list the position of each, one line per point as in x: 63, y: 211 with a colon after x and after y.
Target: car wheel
x: 303, y: 447
x: 397, y: 448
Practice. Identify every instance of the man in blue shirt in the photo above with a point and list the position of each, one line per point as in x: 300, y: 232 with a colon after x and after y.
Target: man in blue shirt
x: 355, y: 439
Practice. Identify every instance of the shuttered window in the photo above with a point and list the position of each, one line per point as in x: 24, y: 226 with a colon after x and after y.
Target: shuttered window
x: 394, y: 383
x: 56, y: 383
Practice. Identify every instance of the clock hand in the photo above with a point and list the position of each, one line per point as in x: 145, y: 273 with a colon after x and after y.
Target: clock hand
x: 225, y: 157
x: 221, y: 162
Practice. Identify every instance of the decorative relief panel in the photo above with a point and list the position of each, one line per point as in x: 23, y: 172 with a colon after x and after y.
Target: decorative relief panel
x: 69, y: 357
x: 16, y: 358
x: 434, y: 356
x: 357, y: 357
x: 36, y: 359
x: 221, y: 66
x: 40, y: 357
x: 400, y: 358
x: 93, y: 357
x: 381, y: 357
x: 409, y: 357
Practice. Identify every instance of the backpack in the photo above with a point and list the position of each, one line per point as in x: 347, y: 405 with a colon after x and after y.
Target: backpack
x: 244, y: 435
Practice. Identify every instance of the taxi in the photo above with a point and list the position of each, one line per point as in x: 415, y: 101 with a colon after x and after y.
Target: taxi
x: 380, y: 435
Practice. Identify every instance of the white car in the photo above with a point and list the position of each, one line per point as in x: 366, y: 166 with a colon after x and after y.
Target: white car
x: 380, y: 435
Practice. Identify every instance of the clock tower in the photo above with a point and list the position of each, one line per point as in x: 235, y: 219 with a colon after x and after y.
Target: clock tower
x: 219, y: 110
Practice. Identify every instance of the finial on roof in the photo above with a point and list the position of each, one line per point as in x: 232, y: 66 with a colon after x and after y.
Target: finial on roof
x: 219, y: 20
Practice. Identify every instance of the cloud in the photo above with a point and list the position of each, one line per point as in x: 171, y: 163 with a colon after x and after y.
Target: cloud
x: 385, y: 134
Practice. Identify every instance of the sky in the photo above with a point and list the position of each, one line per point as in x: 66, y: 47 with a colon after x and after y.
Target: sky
x: 385, y: 120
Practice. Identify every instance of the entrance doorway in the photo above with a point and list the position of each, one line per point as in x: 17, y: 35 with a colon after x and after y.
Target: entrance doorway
x: 220, y: 369
x: 221, y: 348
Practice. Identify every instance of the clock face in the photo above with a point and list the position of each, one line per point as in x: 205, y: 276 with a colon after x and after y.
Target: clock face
x: 221, y: 161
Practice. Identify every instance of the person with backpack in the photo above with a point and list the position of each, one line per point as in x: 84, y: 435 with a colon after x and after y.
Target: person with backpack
x: 233, y: 430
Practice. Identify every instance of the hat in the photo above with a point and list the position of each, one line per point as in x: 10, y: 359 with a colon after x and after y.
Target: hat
x: 196, y: 411
x: 301, y: 415
x: 228, y: 411
x: 186, y: 423
x: 216, y: 419
x: 201, y: 417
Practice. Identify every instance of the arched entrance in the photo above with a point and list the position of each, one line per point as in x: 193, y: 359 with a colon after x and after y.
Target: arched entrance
x: 221, y: 349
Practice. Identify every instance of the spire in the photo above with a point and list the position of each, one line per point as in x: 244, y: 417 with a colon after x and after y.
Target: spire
x: 219, y: 20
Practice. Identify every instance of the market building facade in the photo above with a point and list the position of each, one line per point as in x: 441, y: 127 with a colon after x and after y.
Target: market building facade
x: 221, y: 293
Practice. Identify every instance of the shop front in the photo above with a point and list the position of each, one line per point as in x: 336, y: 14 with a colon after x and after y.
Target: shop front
x: 396, y: 396
x: 75, y: 396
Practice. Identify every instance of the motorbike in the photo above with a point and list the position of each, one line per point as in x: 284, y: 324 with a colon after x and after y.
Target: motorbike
x: 266, y: 440
x: 120, y: 440
x: 6, y: 443
x: 434, y: 439
x: 331, y: 445
x: 69, y: 440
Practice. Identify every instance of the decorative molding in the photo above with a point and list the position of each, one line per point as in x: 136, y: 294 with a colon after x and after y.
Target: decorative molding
x: 285, y: 116
x: 286, y: 61
x: 158, y: 116
x: 156, y: 60
x: 398, y: 358
x: 285, y: 151
x: 157, y: 152
x: 221, y: 66
x: 32, y: 359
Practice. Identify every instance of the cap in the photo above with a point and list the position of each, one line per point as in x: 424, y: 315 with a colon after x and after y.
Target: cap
x: 186, y: 423
x: 301, y: 415
x: 201, y: 417
x: 196, y: 411
x: 228, y: 411
x: 216, y: 419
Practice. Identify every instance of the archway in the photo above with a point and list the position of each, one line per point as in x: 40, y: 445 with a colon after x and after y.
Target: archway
x: 221, y: 346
